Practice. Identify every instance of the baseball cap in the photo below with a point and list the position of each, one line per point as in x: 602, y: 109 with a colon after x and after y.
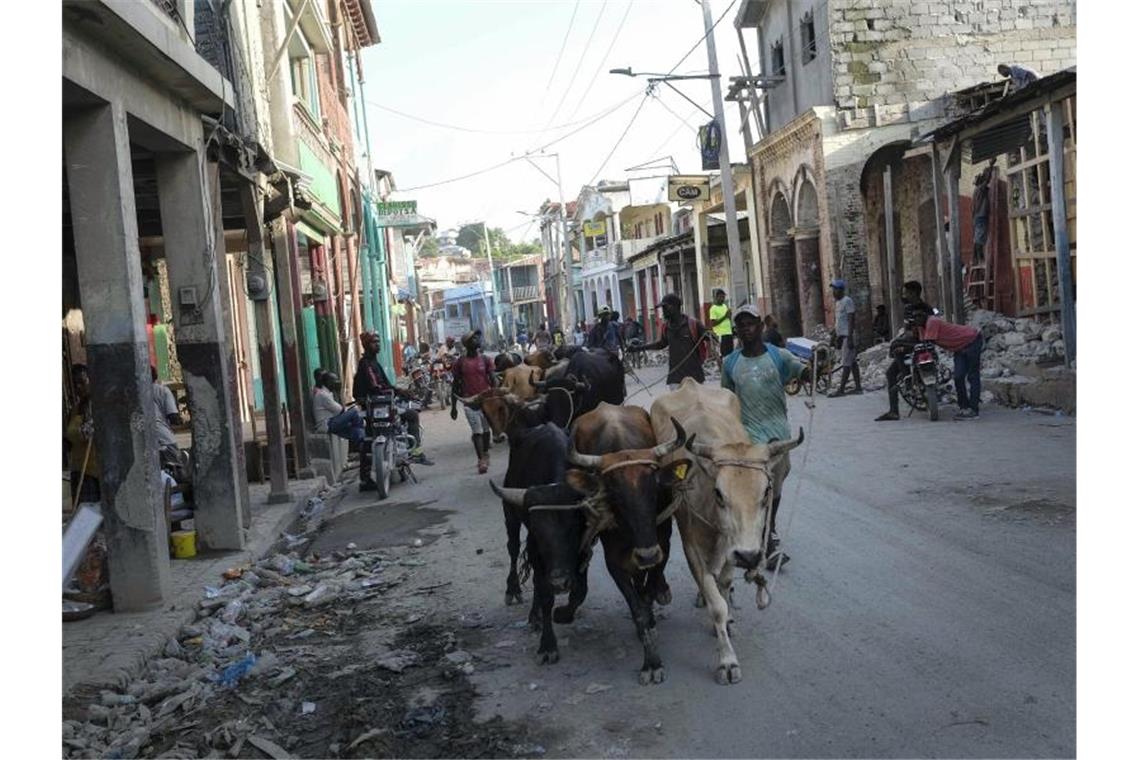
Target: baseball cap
x: 839, y: 284
x: 747, y: 309
x: 669, y: 298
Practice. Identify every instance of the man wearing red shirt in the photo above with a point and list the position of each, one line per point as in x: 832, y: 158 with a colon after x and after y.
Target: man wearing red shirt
x: 474, y: 373
x: 966, y: 342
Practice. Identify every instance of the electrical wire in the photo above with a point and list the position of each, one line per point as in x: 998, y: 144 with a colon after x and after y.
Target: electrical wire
x: 622, y: 137
x: 605, y: 56
x: 562, y: 50
x: 704, y: 37
x: 578, y: 66
x: 681, y: 118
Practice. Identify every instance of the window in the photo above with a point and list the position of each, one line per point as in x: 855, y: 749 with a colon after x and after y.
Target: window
x: 807, y: 38
x: 303, y: 74
x: 778, y: 68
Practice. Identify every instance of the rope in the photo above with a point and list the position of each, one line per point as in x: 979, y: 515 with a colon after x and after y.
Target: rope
x: 629, y: 370
x: 571, y: 397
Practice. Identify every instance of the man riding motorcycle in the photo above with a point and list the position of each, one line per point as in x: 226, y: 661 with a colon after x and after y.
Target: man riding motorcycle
x: 369, y: 380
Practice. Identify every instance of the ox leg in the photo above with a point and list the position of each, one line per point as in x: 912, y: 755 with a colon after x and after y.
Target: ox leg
x: 544, y: 603
x: 728, y: 668
x: 514, y: 528
x: 565, y: 613
x: 640, y: 606
x: 658, y: 587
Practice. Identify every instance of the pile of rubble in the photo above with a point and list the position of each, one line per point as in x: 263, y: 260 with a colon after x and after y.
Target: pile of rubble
x: 1022, y: 363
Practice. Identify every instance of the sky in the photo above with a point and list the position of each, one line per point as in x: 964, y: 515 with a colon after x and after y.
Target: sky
x: 494, y: 65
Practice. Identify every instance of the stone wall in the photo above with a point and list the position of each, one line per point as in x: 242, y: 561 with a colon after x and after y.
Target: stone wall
x: 893, y: 60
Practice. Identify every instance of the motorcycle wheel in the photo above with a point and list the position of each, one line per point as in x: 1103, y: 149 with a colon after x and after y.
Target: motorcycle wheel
x: 382, y: 468
x: 910, y: 395
x: 932, y: 402
x: 441, y: 391
x: 792, y: 387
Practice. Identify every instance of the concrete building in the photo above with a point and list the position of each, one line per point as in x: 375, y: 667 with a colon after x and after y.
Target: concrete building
x: 842, y: 80
x: 521, y: 292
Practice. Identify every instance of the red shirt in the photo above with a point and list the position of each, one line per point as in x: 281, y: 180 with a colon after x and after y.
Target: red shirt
x: 474, y: 371
x: 948, y: 335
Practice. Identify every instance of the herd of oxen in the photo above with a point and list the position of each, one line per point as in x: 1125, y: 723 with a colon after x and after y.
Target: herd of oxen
x: 583, y: 466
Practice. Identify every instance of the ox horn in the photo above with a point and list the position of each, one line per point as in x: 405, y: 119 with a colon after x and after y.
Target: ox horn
x: 700, y: 449
x: 662, y: 449
x: 512, y: 496
x: 776, y: 448
x: 591, y: 461
x: 555, y: 507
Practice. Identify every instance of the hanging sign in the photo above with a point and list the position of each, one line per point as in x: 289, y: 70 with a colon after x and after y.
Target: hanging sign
x: 398, y: 214
x: 686, y: 188
x: 594, y: 229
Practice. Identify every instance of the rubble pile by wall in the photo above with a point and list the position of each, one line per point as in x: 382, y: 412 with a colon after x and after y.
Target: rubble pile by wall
x: 1022, y: 363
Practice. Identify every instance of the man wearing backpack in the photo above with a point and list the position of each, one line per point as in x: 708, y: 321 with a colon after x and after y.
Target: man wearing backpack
x: 757, y: 372
x: 685, y: 339
x: 474, y: 373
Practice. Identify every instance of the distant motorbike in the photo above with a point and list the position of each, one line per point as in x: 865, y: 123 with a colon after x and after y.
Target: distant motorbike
x: 391, y: 443
x: 421, y: 382
x: 441, y: 380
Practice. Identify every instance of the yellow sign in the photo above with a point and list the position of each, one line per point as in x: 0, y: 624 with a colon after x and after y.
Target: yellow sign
x: 594, y: 229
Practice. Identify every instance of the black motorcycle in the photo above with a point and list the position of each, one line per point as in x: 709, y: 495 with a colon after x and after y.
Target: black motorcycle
x: 925, y: 383
x: 391, y: 443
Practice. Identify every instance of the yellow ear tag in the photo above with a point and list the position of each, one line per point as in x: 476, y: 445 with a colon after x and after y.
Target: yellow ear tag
x: 680, y: 470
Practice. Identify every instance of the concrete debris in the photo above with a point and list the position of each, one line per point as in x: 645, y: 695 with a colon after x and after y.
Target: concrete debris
x: 597, y: 688
x: 268, y: 747
x: 1022, y: 363
x: 371, y: 733
x: 398, y: 660
x: 458, y: 657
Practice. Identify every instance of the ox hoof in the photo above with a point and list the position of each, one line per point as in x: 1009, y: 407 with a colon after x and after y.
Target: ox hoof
x: 727, y: 674
x: 513, y: 597
x: 651, y: 675
x: 563, y: 615
x: 664, y: 596
x: 700, y: 601
x: 547, y: 658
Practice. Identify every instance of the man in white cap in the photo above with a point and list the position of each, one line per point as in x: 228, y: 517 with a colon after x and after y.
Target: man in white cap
x: 757, y: 372
x: 845, y: 335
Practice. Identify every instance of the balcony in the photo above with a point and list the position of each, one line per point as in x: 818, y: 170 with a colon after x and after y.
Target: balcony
x: 631, y: 247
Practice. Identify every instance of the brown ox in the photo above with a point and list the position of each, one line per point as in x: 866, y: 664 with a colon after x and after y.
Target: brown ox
x: 542, y: 359
x: 725, y: 502
x: 518, y: 381
x: 625, y: 488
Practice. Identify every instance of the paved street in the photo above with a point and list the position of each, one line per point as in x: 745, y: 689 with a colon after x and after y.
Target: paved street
x: 929, y: 609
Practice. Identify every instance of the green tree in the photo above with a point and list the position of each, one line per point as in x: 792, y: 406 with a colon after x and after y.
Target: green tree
x: 430, y: 247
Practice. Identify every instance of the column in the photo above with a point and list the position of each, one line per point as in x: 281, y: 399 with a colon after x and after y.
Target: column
x: 289, y: 309
x: 101, y: 193
x: 758, y: 279
x: 893, y: 284
x: 187, y: 229
x: 638, y: 284
x: 953, y: 174
x: 810, y: 277
x: 258, y: 283
x: 1056, y: 137
x: 940, y: 234
x: 696, y: 301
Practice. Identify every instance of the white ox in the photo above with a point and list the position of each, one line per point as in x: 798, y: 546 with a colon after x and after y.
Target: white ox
x: 724, y: 502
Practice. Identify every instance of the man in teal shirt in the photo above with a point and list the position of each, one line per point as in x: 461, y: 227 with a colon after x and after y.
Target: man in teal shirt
x: 757, y: 373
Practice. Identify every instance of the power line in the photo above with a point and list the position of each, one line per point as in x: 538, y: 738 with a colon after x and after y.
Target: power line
x: 563, y: 48
x: 681, y: 118
x: 622, y: 137
x: 578, y: 66
x: 605, y: 56
x: 704, y: 37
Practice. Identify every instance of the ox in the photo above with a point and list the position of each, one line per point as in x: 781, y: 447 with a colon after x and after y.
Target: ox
x: 506, y: 360
x: 624, y: 487
x: 543, y: 359
x: 520, y: 381
x: 590, y: 378
x: 555, y: 525
x: 723, y: 508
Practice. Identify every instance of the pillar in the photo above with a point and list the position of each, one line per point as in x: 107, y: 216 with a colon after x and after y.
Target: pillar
x: 289, y: 309
x: 101, y: 193
x: 758, y: 280
x: 810, y: 277
x: 940, y: 233
x: 327, y: 343
x: 696, y: 301
x: 953, y: 174
x: 188, y: 229
x: 893, y: 284
x: 1056, y: 138
x: 266, y: 346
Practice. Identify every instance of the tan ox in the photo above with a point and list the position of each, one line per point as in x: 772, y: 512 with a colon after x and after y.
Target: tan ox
x: 725, y: 501
x: 517, y: 380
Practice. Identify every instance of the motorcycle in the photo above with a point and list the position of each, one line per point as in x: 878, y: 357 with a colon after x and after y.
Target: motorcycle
x: 421, y: 384
x: 441, y: 379
x: 391, y: 443
x: 925, y: 383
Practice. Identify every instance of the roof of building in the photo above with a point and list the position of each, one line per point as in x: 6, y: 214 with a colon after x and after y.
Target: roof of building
x: 1031, y: 91
x: 363, y: 22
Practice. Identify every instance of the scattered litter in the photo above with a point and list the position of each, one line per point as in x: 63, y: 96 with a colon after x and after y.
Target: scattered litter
x: 322, y: 594
x: 420, y: 717
x: 285, y: 674
x: 505, y: 644
x: 237, y: 671
x: 351, y: 547
x: 544, y: 706
x: 268, y: 747
x: 597, y: 688
x: 413, y: 618
x: 233, y: 573
x: 532, y: 686
x: 308, y: 707
x: 429, y: 589
x: 398, y: 661
x: 458, y: 657
x: 303, y: 590
x: 371, y: 733
x: 467, y: 668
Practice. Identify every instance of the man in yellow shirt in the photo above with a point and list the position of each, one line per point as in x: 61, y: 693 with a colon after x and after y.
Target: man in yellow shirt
x: 720, y: 320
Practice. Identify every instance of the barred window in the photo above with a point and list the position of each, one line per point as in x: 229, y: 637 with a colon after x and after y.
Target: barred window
x: 807, y: 38
x: 778, y: 67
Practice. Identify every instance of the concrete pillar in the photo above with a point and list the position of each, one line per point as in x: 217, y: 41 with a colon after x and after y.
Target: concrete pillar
x: 638, y: 307
x: 188, y: 229
x: 696, y: 301
x: 810, y: 277
x: 754, y: 233
x: 101, y: 194
x: 266, y: 346
x: 287, y: 282
x: 893, y: 280
x: 1056, y: 136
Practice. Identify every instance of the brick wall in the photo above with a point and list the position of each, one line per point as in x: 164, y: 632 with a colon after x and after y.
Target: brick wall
x: 849, y: 241
x: 895, y: 59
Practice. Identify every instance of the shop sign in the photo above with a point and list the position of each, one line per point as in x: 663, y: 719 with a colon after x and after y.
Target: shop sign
x: 686, y: 188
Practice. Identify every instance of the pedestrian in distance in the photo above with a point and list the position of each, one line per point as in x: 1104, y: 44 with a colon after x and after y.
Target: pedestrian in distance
x: 685, y: 339
x: 757, y: 373
x: 966, y: 342
x: 473, y: 373
x: 604, y: 334
x: 881, y: 324
x: 720, y: 322
x: 845, y: 337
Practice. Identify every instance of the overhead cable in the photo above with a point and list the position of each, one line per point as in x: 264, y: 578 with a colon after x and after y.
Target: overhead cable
x: 578, y: 65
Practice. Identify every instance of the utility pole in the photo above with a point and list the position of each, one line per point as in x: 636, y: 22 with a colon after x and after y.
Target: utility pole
x: 564, y: 296
x: 735, y: 258
x: 491, y: 274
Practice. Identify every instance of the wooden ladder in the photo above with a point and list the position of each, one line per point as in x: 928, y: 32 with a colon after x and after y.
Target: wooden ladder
x: 980, y: 285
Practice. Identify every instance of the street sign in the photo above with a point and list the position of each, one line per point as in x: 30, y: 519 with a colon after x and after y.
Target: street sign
x: 594, y: 229
x: 686, y: 188
x: 399, y: 214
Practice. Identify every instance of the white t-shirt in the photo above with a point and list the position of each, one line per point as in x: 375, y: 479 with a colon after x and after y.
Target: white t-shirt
x: 164, y: 404
x: 325, y: 407
x: 844, y: 316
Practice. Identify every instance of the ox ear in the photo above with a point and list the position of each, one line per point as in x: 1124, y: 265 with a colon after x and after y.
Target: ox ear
x: 675, y: 472
x: 583, y: 481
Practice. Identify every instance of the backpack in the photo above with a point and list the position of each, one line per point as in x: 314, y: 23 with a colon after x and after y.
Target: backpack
x: 781, y: 368
x: 697, y: 332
